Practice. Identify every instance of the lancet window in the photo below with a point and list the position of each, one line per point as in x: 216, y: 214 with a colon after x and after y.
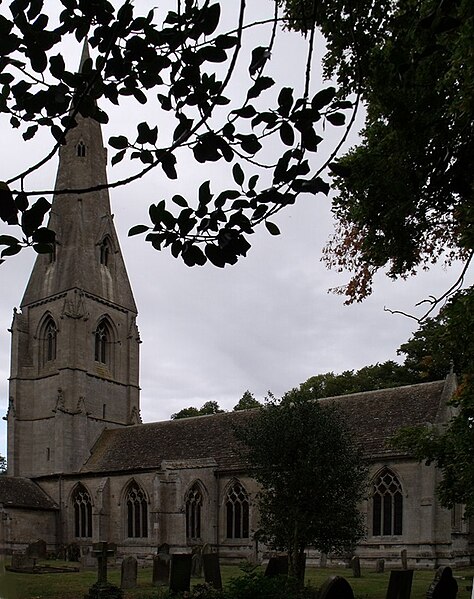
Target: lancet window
x: 387, y: 505
x: 137, y: 512
x: 81, y: 149
x: 82, y: 504
x: 105, y: 251
x: 237, y: 512
x: 194, y: 502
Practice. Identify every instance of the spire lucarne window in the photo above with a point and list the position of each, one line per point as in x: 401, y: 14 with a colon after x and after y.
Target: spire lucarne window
x: 81, y: 149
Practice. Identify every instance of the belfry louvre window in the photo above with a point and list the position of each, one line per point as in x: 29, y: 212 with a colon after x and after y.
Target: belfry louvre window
x: 193, y: 513
x: 82, y: 504
x: 237, y: 512
x: 102, y: 343
x: 387, y: 505
x: 137, y: 512
x: 48, y: 336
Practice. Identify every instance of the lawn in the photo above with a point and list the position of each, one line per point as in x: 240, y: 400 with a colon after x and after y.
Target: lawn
x: 75, y: 584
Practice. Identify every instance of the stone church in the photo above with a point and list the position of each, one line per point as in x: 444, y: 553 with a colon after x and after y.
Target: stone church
x: 82, y: 467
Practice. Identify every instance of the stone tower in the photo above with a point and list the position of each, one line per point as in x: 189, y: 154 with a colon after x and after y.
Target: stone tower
x: 75, y: 342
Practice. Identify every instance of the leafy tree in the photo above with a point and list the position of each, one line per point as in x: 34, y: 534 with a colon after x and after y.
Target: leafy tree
x: 312, y: 479
x: 247, y: 402
x: 209, y: 407
x: 183, y: 62
x: 3, y: 465
x: 378, y: 376
x: 406, y: 191
x: 452, y: 447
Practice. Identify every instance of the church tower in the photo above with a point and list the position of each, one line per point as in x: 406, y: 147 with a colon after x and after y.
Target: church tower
x: 75, y: 342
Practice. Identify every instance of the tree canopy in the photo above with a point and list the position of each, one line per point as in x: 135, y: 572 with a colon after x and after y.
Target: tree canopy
x: 182, y: 62
x: 209, y: 407
x: 302, y: 502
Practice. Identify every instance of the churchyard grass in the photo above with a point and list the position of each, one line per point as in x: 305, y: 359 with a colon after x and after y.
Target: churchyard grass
x: 74, y: 585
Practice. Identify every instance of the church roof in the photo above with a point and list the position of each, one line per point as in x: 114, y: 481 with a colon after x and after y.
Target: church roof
x: 16, y: 491
x: 373, y: 417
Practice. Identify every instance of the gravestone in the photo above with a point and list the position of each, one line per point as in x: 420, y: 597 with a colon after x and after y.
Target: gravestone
x: 444, y: 585
x: 399, y: 584
x: 164, y: 549
x: 323, y: 560
x: 355, y: 564
x: 212, y: 570
x: 180, y: 572
x: 128, y: 573
x: 161, y: 569
x: 196, y: 564
x: 380, y: 566
x: 37, y: 549
x: 277, y: 566
x: 73, y: 552
x: 404, y: 557
x: 20, y: 561
x: 103, y: 589
x: 336, y: 587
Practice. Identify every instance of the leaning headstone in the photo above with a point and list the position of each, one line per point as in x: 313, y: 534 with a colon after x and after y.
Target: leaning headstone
x: 336, y: 587
x: 196, y: 562
x: 355, y: 564
x: 444, y: 585
x: 380, y: 566
x: 37, y: 549
x: 161, y: 569
x: 128, y: 574
x: 399, y: 584
x: 323, y: 560
x: 180, y: 572
x: 212, y: 570
x: 404, y: 557
x: 277, y: 566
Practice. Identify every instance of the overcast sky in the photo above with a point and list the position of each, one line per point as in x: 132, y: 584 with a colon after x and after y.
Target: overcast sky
x: 267, y: 323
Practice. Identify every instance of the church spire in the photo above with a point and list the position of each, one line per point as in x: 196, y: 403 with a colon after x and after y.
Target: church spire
x: 87, y: 254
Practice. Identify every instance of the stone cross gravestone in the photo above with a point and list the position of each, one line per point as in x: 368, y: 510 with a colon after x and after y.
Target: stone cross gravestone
x: 103, y: 589
x: 355, y: 563
x: 336, y: 587
x: 277, y: 566
x: 37, y: 549
x: 399, y: 584
x: 404, y: 558
x: 180, y: 572
x: 128, y: 573
x: 212, y: 570
x: 161, y: 569
x: 444, y: 585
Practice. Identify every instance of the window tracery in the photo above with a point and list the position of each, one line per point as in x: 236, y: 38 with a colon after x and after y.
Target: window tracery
x: 237, y: 512
x: 194, y: 501
x: 82, y: 504
x: 137, y: 512
x: 387, y: 505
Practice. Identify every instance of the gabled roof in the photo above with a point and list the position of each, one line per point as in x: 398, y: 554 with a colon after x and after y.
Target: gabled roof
x: 373, y: 417
x: 16, y: 491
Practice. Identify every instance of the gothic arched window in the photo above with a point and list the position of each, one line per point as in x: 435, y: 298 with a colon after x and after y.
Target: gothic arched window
x: 48, y: 340
x: 237, y: 512
x: 193, y: 513
x: 82, y: 504
x: 81, y: 149
x: 137, y: 512
x: 387, y: 505
x: 103, y: 340
x: 105, y: 251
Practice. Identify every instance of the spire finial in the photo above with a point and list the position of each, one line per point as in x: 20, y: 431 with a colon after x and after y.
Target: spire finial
x: 85, y: 53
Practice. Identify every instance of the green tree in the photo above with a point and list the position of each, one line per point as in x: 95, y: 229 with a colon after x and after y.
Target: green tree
x: 209, y: 407
x: 247, y: 402
x: 184, y: 62
x: 312, y: 479
x: 377, y: 376
x: 3, y: 465
x: 452, y: 447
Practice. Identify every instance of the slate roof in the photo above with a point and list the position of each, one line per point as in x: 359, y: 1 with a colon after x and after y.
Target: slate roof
x: 373, y: 416
x: 21, y: 492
